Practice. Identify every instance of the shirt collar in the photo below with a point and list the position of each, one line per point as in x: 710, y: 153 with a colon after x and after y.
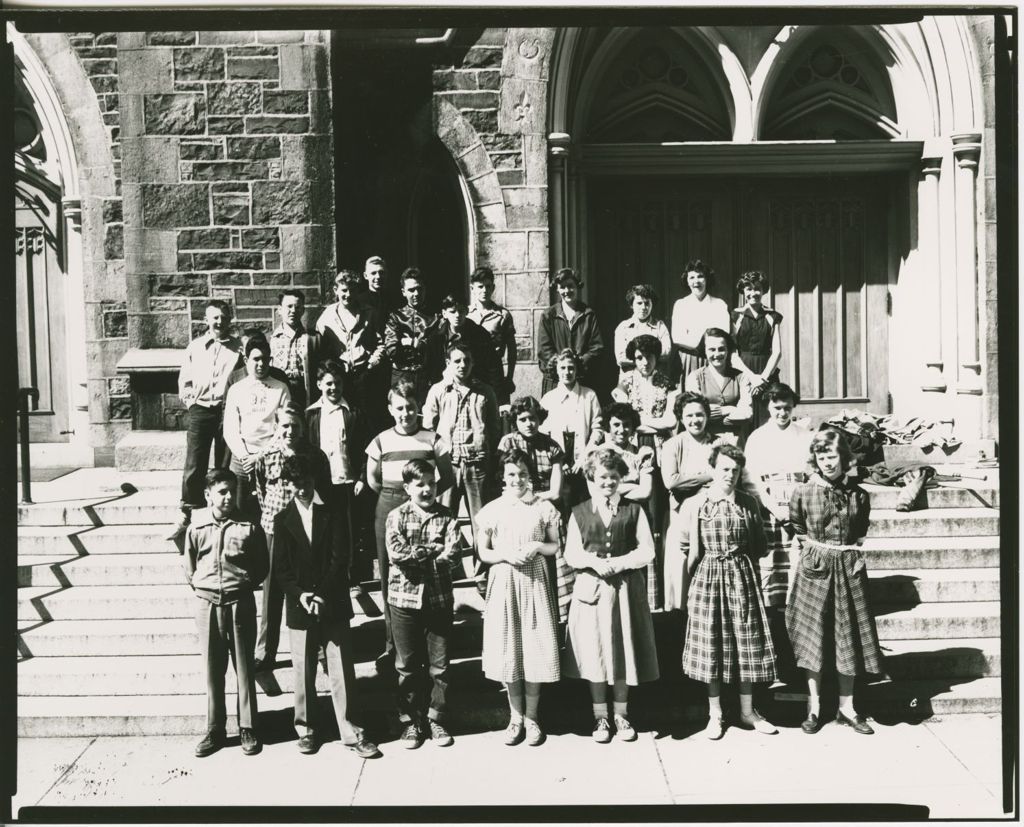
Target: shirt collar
x: 430, y: 510
x: 329, y: 406
x: 600, y: 500
x: 281, y: 330
x: 209, y: 339
x: 204, y: 517
x: 730, y: 497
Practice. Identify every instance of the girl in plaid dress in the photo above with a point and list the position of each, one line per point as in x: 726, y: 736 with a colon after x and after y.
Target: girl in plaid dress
x: 610, y: 639
x: 515, y: 533
x: 727, y: 637
x: 828, y: 617
x: 544, y: 455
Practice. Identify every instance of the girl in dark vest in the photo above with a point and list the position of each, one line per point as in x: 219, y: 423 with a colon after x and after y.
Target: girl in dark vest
x: 610, y: 639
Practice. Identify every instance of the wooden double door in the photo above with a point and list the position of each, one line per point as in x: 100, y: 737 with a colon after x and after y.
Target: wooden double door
x: 821, y: 241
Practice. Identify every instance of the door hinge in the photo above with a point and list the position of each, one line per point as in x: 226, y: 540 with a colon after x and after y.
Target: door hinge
x: 888, y: 302
x: 68, y: 432
x: 889, y: 398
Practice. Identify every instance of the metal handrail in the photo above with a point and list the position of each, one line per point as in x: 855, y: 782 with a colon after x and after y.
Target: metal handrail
x: 24, y: 394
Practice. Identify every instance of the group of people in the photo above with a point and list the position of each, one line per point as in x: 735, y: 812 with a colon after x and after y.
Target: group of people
x: 582, y: 520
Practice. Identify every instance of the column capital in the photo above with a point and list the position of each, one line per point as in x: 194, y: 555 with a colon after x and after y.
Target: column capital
x: 558, y: 144
x: 966, y: 148
x: 73, y: 211
x: 931, y: 164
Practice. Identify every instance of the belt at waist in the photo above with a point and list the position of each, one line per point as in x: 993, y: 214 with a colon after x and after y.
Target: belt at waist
x: 833, y: 547
x: 388, y: 489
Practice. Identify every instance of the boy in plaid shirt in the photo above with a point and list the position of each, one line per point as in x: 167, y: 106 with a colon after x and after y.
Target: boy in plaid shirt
x: 423, y: 546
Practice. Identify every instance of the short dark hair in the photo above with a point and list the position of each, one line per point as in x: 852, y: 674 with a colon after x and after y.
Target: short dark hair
x: 416, y: 468
x: 527, y: 404
x: 717, y: 333
x: 752, y: 278
x: 450, y: 300
x: 514, y: 456
x: 257, y: 342
x: 605, y: 458
x: 644, y: 291
x: 404, y: 388
x: 646, y: 344
x: 462, y: 347
x: 567, y: 274
x: 349, y: 277
x: 296, y: 468
x: 690, y: 398
x: 291, y: 291
x: 221, y: 305
x: 219, y: 475
x: 828, y: 438
x: 724, y: 449
x: 481, y: 274
x: 696, y: 265
x: 566, y: 353
x: 781, y: 392
x: 331, y: 366
x: 411, y: 273
x: 620, y: 410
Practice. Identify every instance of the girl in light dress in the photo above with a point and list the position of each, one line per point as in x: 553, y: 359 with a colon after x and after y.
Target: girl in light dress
x: 695, y: 313
x: 610, y: 641
x: 520, y: 648
x: 727, y: 635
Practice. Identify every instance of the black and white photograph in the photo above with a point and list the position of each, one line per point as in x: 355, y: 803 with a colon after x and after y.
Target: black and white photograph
x: 512, y: 413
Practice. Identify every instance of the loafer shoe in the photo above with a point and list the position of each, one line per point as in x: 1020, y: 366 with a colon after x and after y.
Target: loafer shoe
x: 364, y: 748
x: 250, y: 742
x: 811, y: 724
x: 858, y: 724
x: 715, y: 728
x: 212, y: 742
x: 758, y: 724
x: 602, y: 730
x: 308, y: 744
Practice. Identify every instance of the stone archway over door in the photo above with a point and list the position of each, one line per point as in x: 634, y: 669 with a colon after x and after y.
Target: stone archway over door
x: 822, y: 242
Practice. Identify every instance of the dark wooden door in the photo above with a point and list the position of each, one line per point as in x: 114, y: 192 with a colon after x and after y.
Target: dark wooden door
x: 822, y: 243
x: 40, y: 310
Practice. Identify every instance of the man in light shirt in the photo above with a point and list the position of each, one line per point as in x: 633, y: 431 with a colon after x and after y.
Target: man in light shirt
x: 202, y: 384
x: 250, y: 408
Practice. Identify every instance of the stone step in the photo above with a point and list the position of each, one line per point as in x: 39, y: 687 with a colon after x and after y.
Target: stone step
x: 938, y: 621
x: 908, y: 587
x: 95, y: 540
x: 938, y: 659
x: 931, y: 552
x: 935, y: 522
x: 146, y: 507
x: 564, y: 708
x: 963, y: 494
x: 163, y: 568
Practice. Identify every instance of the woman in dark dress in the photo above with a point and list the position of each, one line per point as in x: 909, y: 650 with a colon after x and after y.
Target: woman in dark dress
x: 755, y: 327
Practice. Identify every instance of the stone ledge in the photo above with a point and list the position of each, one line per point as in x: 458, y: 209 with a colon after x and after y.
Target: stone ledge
x: 151, y: 360
x: 150, y: 451
x: 967, y: 452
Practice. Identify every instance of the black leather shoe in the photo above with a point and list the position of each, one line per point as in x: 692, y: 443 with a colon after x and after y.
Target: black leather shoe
x: 308, y: 744
x: 811, y: 725
x: 364, y: 748
x: 250, y: 743
x: 858, y: 724
x: 213, y: 741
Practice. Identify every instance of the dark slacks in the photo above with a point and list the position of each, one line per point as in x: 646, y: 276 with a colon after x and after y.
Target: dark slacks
x: 421, y: 661
x: 389, y: 499
x: 205, y: 428
x: 335, y: 638
x: 269, y: 638
x: 471, y: 482
x: 228, y: 630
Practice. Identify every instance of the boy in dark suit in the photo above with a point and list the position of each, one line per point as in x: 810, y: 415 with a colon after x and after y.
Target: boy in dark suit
x: 310, y: 561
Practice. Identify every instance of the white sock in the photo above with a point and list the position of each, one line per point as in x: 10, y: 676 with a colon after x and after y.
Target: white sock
x: 621, y: 708
x: 600, y: 710
x: 715, y: 707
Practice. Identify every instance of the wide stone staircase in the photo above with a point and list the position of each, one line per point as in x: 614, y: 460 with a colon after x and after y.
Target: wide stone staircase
x: 107, y: 642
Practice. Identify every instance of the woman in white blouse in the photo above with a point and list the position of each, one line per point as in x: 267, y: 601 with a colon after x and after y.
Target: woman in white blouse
x: 695, y: 313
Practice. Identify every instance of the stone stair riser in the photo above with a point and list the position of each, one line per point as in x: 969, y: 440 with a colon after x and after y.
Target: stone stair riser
x: 910, y: 593
x: 940, y: 497
x: 922, y: 524
x: 907, y: 626
x: 955, y: 663
x: 939, y: 558
x: 93, y: 542
x: 121, y: 512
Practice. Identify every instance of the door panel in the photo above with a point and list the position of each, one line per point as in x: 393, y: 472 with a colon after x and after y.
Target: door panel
x: 39, y: 295
x: 821, y: 242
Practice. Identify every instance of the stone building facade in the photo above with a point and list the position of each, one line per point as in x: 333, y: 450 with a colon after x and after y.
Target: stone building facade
x: 185, y: 166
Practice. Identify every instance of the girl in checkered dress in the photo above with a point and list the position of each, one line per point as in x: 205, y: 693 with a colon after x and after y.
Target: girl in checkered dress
x: 828, y: 618
x: 610, y: 640
x: 515, y: 533
x: 727, y: 637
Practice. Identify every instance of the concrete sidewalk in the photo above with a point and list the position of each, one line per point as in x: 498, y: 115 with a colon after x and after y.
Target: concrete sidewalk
x: 951, y: 766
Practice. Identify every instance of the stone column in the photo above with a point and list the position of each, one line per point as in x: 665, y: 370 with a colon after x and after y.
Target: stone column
x: 966, y: 150
x: 931, y: 287
x: 558, y: 149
